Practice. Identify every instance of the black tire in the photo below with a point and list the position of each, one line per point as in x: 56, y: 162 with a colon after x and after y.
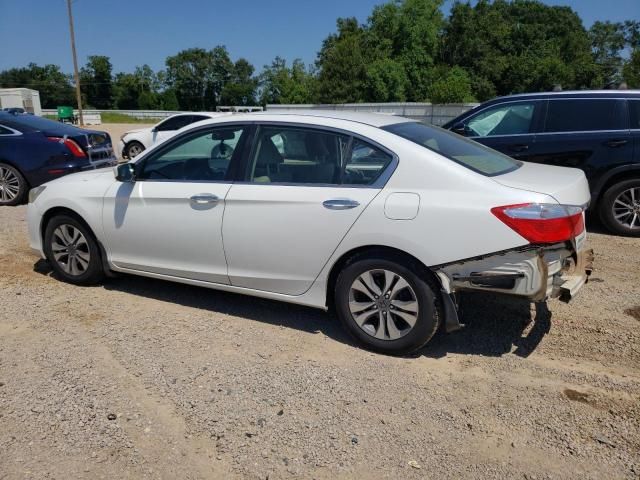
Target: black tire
x: 61, y: 263
x: 422, y: 288
x: 608, y: 203
x: 133, y: 145
x: 10, y: 178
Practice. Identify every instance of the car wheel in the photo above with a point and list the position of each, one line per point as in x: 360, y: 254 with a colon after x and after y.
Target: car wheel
x: 133, y: 149
x: 386, y: 305
x: 620, y: 208
x: 13, y: 186
x: 72, y: 251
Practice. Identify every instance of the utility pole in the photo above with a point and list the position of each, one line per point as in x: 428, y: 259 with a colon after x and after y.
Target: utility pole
x: 76, y: 76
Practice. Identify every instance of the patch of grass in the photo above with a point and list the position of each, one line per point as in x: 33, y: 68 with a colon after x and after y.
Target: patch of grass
x: 111, y: 117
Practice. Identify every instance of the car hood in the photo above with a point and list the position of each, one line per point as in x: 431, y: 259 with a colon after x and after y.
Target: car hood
x: 568, y: 186
x: 86, y: 176
x: 138, y: 130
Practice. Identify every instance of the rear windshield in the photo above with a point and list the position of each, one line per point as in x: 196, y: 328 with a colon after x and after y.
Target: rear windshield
x: 467, y: 153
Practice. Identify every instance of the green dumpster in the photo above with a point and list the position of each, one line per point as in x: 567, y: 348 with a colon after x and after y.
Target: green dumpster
x: 65, y: 114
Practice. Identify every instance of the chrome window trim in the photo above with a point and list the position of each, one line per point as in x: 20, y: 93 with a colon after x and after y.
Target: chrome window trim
x: 14, y: 132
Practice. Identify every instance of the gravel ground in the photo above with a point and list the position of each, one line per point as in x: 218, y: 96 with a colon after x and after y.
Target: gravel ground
x: 116, y: 130
x: 145, y: 379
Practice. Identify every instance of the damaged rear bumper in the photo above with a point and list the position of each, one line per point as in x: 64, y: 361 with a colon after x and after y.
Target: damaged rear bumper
x: 535, y: 273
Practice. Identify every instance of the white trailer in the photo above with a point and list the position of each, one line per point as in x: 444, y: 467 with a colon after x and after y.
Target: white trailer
x: 24, y: 98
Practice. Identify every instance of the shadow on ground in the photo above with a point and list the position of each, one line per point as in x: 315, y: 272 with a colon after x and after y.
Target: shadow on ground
x: 494, y: 324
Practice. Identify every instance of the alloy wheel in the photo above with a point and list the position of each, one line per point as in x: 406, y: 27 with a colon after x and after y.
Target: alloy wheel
x: 626, y: 208
x: 134, y: 150
x: 70, y: 249
x: 383, y: 304
x: 9, y: 185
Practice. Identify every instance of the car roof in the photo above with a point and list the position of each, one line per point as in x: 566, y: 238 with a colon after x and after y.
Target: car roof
x: 373, y: 119
x: 574, y: 94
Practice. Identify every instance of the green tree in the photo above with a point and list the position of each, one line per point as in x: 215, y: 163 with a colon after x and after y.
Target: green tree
x: 241, y: 88
x: 55, y: 87
x: 631, y: 70
x: 608, y: 40
x: 96, y: 82
x: 280, y: 84
x: 452, y: 85
x: 386, y: 81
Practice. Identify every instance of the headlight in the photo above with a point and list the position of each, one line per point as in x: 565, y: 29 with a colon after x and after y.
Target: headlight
x: 35, y: 193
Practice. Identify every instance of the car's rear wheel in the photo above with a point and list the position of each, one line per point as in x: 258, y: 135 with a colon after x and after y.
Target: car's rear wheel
x: 387, y: 305
x: 620, y: 208
x: 13, y: 186
x: 133, y: 149
x: 73, y: 251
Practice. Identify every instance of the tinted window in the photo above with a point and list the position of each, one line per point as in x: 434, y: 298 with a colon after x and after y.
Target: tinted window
x: 511, y: 119
x: 297, y: 155
x: 468, y: 153
x: 197, y: 118
x: 174, y: 123
x: 584, y: 115
x: 365, y: 164
x: 5, y: 131
x: 634, y: 111
x: 204, y: 156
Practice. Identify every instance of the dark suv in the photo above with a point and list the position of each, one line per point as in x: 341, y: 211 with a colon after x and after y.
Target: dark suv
x: 596, y: 131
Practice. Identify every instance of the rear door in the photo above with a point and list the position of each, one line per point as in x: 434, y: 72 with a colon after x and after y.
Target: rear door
x: 507, y: 127
x: 303, y: 189
x: 634, y: 115
x: 587, y: 133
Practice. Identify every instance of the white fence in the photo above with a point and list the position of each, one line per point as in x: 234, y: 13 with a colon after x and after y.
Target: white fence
x: 424, y: 112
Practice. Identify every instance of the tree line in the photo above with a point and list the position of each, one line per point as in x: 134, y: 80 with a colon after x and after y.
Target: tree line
x: 407, y: 50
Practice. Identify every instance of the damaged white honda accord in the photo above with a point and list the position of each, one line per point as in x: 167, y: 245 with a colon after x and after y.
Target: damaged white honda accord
x: 379, y: 217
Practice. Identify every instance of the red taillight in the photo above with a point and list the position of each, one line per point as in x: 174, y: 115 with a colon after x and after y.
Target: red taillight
x: 543, y: 223
x: 75, y: 149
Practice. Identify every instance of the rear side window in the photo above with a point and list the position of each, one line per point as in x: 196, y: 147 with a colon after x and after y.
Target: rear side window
x: 583, y: 115
x: 5, y: 131
x: 466, y: 152
x: 365, y: 164
x: 634, y: 111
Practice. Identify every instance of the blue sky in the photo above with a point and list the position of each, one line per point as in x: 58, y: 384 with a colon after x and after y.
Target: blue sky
x: 134, y: 32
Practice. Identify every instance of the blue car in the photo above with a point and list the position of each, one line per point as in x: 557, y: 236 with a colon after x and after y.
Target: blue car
x: 34, y: 150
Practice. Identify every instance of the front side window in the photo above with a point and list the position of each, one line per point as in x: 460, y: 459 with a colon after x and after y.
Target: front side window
x: 203, y: 156
x: 510, y: 119
x: 582, y: 115
x: 174, y: 123
x: 297, y: 155
x: 468, y: 153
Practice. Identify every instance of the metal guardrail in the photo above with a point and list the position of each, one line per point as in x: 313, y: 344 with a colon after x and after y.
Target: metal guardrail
x: 424, y: 112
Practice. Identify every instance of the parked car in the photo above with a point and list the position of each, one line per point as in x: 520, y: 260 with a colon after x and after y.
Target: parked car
x: 381, y: 217
x: 596, y: 131
x: 134, y: 142
x: 34, y: 150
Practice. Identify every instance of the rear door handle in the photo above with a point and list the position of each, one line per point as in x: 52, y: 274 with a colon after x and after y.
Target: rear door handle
x: 340, y: 204
x: 616, y: 143
x: 519, y: 148
x: 204, y: 199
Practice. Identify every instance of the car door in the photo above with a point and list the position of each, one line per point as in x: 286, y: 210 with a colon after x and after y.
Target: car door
x: 303, y: 189
x: 166, y: 129
x: 587, y: 133
x: 634, y: 116
x: 170, y: 220
x: 507, y: 127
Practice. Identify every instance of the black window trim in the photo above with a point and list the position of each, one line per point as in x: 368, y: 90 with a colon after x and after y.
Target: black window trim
x: 231, y: 171
x: 378, y: 184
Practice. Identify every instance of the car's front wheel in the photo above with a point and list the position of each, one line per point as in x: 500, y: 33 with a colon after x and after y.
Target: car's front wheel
x: 387, y: 305
x: 133, y: 149
x: 72, y: 251
x: 620, y: 208
x: 13, y: 186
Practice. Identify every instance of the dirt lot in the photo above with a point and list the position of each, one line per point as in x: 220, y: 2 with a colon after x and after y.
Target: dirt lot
x: 144, y: 379
x: 115, y: 130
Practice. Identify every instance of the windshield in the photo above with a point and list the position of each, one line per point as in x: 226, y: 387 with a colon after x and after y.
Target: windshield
x: 468, y: 153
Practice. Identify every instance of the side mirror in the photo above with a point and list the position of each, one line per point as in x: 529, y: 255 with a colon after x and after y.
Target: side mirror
x: 125, y: 173
x: 459, y: 128
x: 154, y: 129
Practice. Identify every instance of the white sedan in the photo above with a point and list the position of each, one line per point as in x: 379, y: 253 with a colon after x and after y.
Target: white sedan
x: 380, y: 217
x: 134, y: 142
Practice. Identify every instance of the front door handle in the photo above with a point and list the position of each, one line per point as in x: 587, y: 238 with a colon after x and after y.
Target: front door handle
x: 616, y: 143
x: 340, y: 204
x: 519, y: 148
x: 204, y: 199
